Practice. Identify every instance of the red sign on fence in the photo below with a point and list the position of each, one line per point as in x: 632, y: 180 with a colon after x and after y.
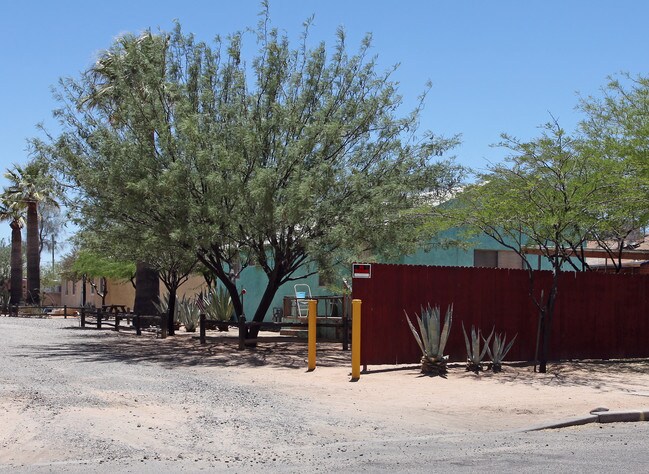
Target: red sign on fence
x: 361, y: 270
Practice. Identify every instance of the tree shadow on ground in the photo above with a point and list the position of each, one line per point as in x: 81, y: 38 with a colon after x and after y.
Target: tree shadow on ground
x: 625, y: 374
x: 185, y: 349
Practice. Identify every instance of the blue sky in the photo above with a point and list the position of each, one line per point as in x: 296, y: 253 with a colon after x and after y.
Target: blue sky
x: 496, y: 66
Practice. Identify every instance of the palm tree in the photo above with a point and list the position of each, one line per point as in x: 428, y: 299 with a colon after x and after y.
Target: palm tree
x: 119, y: 72
x: 29, y: 186
x: 13, y: 212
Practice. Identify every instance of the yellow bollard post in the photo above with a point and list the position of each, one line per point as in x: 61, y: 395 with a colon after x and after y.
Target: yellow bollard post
x: 313, y: 311
x: 356, y: 339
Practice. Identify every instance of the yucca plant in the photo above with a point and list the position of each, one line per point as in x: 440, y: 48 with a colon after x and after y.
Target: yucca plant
x: 432, y: 338
x: 474, y: 355
x: 499, y: 351
x: 188, y: 313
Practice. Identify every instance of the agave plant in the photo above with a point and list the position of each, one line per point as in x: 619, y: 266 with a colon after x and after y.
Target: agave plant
x: 432, y: 338
x: 218, y: 304
x: 162, y: 305
x: 499, y: 351
x: 474, y: 355
x: 188, y: 313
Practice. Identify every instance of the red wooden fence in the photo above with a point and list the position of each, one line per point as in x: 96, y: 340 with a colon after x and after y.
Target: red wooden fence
x: 597, y: 315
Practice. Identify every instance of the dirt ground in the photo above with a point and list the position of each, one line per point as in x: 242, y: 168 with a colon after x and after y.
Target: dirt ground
x: 64, y: 391
x: 513, y: 399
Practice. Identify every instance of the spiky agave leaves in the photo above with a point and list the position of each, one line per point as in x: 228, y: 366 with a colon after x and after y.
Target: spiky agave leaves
x: 473, y: 354
x: 432, y: 338
x: 218, y: 304
x: 188, y: 314
x: 162, y: 305
x: 499, y: 351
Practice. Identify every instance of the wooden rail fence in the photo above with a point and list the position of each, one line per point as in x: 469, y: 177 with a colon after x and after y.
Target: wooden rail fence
x: 244, y: 327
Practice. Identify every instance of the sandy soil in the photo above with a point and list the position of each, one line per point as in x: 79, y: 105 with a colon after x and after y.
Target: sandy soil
x: 66, y: 390
x: 401, y: 396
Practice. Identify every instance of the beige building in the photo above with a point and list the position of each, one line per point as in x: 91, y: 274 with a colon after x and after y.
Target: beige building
x: 119, y: 292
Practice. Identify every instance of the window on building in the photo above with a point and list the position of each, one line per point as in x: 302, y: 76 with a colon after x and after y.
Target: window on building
x: 485, y: 258
x: 509, y: 259
x: 74, y: 287
x: 497, y: 259
x: 67, y: 287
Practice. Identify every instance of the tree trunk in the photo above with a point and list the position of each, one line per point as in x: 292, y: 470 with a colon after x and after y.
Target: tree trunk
x: 264, y: 304
x: 147, y: 289
x: 103, y: 284
x: 171, y: 309
x: 546, y: 322
x: 33, y: 255
x: 84, y: 280
x: 16, y: 263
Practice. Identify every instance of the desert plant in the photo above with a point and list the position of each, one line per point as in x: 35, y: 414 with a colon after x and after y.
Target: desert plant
x: 188, y: 314
x: 474, y: 355
x: 5, y: 297
x: 499, y: 351
x: 162, y: 305
x: 218, y: 304
x: 432, y: 338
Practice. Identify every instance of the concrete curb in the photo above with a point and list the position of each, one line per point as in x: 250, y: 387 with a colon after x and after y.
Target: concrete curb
x: 595, y: 417
x: 580, y: 420
x: 623, y: 416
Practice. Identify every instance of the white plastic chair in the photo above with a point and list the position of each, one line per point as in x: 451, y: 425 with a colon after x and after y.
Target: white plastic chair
x: 302, y: 297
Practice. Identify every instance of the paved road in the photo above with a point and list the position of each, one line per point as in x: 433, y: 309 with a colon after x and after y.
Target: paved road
x: 73, y: 400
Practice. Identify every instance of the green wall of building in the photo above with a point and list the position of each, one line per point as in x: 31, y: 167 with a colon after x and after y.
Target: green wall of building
x: 254, y: 280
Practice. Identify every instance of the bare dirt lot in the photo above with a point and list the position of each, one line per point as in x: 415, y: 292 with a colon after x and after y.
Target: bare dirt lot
x: 76, y: 399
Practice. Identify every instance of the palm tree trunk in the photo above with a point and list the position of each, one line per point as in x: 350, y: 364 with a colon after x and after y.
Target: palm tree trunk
x: 33, y: 255
x: 16, y: 263
x: 147, y: 289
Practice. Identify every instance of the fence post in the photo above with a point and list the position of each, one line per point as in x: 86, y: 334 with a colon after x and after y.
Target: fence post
x: 82, y: 317
x: 117, y: 317
x: 138, y: 326
x: 242, y: 332
x: 345, y: 322
x: 65, y: 311
x: 312, y: 319
x: 98, y: 313
x: 356, y: 339
x: 202, y: 328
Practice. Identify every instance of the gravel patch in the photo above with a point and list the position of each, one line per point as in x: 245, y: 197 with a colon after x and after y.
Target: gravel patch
x: 79, y: 400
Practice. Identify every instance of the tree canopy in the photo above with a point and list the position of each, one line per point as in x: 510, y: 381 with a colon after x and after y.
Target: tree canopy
x: 552, y: 196
x: 286, y: 159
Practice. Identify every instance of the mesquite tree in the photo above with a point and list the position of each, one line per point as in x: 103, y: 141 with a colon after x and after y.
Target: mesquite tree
x: 286, y: 159
x: 550, y: 196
